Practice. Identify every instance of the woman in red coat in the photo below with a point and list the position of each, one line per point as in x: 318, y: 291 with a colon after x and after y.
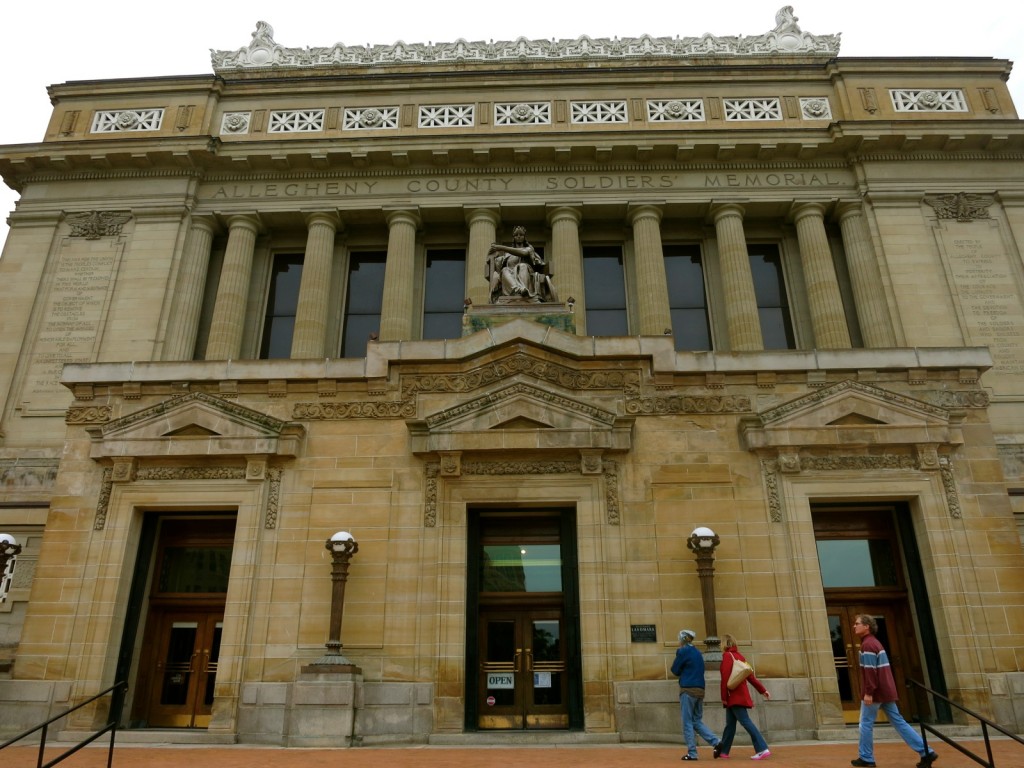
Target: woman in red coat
x: 737, y: 702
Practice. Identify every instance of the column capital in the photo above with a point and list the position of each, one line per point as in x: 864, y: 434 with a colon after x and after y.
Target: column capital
x: 637, y: 211
x: 329, y: 218
x: 476, y: 214
x: 847, y: 209
x: 720, y: 211
x: 803, y: 210
x: 398, y: 215
x: 250, y: 221
x: 571, y: 212
x: 206, y: 223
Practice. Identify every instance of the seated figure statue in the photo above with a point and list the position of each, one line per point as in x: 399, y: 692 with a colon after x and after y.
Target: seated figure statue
x: 517, y: 274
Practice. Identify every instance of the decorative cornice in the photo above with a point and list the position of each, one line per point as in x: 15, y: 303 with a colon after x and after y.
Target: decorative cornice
x: 395, y: 409
x: 263, y: 52
x: 504, y: 394
x: 826, y: 393
x: 627, y: 382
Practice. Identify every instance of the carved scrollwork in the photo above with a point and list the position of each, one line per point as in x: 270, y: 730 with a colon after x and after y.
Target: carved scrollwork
x: 91, y: 414
x: 668, y: 404
x: 395, y: 409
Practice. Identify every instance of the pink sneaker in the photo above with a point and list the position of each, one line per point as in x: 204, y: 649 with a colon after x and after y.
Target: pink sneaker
x: 724, y: 756
x: 762, y: 755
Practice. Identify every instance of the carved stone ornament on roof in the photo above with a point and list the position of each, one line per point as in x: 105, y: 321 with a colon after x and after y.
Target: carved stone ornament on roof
x: 785, y: 38
x: 962, y: 206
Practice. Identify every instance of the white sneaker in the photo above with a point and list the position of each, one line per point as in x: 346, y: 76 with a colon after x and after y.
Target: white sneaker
x: 762, y: 755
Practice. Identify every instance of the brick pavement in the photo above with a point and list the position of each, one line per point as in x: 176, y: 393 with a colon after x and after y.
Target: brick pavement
x: 1007, y: 754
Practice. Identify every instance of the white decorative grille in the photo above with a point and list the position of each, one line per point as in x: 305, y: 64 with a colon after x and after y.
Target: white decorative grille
x: 599, y: 112
x: 523, y: 114
x: 675, y: 110
x: 815, y: 108
x: 905, y: 100
x: 128, y: 120
x: 447, y: 116
x: 370, y: 117
x: 296, y: 121
x: 235, y: 122
x: 752, y: 109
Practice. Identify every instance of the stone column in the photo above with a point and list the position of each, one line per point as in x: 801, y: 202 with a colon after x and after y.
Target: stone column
x: 229, y: 310
x: 741, y: 315
x: 823, y: 296
x: 566, y: 260
x: 183, y: 324
x: 396, y: 305
x: 310, y: 334
x: 866, y: 278
x: 651, y: 282
x: 483, y: 230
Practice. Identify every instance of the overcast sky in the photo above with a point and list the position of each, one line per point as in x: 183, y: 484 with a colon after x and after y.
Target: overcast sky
x: 56, y: 42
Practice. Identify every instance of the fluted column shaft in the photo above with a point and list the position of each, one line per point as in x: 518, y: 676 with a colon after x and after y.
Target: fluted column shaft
x: 228, y: 321
x: 310, y: 335
x: 183, y: 324
x: 823, y: 297
x: 742, y: 320
x: 653, y: 314
x: 483, y: 230
x: 872, y: 312
x: 566, y: 260
x: 397, y: 303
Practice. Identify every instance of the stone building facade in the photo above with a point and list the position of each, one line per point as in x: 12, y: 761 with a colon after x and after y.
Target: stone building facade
x: 247, y: 310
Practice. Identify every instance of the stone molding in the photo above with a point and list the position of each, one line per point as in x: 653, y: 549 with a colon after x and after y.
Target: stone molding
x: 263, y: 52
x: 608, y: 469
x: 272, y: 477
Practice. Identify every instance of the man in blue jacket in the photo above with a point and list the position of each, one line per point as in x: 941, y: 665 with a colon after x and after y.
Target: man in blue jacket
x: 688, y: 666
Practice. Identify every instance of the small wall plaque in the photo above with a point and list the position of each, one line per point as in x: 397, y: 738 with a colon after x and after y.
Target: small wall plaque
x: 643, y: 633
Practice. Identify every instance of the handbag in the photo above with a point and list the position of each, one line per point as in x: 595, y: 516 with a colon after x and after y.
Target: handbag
x: 740, y: 672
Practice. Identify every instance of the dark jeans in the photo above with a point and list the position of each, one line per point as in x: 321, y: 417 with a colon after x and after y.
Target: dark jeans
x: 742, y: 716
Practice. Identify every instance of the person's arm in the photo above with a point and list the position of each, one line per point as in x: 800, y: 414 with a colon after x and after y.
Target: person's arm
x: 726, y: 669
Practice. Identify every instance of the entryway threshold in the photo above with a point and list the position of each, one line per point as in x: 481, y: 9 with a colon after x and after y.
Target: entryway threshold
x: 521, y: 738
x: 197, y: 737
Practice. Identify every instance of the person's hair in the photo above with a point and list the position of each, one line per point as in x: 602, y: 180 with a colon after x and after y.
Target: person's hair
x: 867, y: 621
x: 728, y: 641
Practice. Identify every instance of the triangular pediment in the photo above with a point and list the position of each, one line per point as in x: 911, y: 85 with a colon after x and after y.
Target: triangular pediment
x: 520, y: 415
x: 196, y: 424
x: 850, y: 413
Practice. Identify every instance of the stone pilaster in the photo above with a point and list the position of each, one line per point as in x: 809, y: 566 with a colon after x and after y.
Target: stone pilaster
x: 229, y: 310
x: 872, y: 311
x: 651, y: 282
x: 483, y: 230
x: 823, y: 296
x: 742, y: 320
x: 397, y: 302
x: 183, y: 324
x: 310, y: 334
x: 566, y: 260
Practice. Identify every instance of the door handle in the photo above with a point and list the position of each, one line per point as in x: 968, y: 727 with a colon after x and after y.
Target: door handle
x: 517, y: 660
x: 529, y: 659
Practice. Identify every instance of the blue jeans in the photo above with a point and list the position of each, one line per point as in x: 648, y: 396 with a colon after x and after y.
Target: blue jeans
x: 741, y: 715
x: 868, y: 715
x: 692, y: 710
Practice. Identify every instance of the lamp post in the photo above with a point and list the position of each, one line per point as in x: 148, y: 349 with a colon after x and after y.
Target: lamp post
x: 342, y: 546
x: 9, y: 549
x: 702, y: 543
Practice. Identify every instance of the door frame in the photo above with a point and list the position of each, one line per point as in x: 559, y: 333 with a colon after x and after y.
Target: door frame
x: 568, y: 602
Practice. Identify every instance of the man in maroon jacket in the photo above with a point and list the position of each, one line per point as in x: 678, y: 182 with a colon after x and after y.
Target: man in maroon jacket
x: 879, y: 691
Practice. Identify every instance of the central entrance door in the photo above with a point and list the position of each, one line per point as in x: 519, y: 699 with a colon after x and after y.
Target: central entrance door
x: 185, y: 668
x: 523, y: 633
x: 523, y: 681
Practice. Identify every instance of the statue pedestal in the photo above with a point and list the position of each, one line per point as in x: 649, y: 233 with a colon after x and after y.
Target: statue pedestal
x: 482, y: 316
x: 323, y: 706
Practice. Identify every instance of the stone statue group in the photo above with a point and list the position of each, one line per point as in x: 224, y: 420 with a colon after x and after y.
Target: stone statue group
x: 517, y: 274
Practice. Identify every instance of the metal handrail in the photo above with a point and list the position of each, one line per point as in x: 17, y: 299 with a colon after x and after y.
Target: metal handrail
x: 44, y: 727
x: 985, y: 725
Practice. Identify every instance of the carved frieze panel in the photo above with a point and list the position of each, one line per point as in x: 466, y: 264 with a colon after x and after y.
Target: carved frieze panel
x: 962, y: 206
x: 93, y: 225
x: 670, y: 404
x: 395, y: 409
x: 433, y: 471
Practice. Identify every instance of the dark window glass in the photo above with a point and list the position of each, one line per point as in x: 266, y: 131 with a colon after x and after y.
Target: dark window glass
x: 444, y: 289
x: 687, y: 301
x: 772, y: 304
x: 195, y: 570
x: 279, y: 323
x: 523, y: 567
x: 362, y: 305
x: 857, y: 563
x: 605, y: 291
